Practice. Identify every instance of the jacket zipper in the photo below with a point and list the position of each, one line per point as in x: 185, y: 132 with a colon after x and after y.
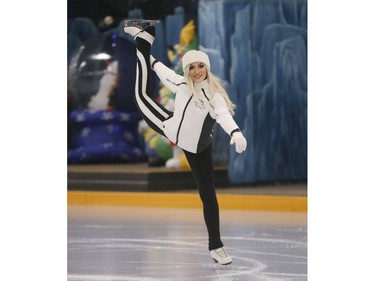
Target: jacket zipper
x: 182, y: 119
x: 204, y: 93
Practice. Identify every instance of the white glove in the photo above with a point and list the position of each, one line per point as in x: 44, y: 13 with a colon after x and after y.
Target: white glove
x: 239, y: 140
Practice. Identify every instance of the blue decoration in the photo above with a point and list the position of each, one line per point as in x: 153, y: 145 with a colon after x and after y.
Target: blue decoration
x: 105, y: 136
x: 262, y: 46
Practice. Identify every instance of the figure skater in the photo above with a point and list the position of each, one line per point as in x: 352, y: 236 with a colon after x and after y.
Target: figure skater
x: 200, y: 102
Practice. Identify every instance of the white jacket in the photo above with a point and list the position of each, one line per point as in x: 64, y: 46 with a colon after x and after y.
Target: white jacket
x: 190, y: 127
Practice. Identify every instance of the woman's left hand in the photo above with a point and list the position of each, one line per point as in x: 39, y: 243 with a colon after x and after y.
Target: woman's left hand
x: 239, y: 140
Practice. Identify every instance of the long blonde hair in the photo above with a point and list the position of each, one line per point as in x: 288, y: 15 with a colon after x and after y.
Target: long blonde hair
x: 214, y: 83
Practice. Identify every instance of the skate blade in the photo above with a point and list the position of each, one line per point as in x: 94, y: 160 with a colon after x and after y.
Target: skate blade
x: 220, y: 263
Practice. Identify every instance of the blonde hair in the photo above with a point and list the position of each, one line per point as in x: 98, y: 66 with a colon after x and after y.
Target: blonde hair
x: 214, y: 83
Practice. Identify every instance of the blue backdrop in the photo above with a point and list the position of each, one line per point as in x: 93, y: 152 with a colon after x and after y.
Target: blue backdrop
x: 262, y: 50
x: 259, y: 49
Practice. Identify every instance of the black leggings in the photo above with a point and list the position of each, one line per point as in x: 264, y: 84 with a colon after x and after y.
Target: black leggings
x: 203, y: 170
x: 201, y: 163
x: 152, y: 112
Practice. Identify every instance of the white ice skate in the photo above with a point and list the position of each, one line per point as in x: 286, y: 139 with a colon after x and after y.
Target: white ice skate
x: 221, y: 256
x: 133, y: 31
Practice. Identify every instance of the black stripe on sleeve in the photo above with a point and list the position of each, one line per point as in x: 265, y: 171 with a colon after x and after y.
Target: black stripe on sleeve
x: 155, y: 61
x: 235, y: 130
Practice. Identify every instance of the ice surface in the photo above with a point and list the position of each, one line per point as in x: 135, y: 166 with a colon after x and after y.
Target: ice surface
x: 108, y: 243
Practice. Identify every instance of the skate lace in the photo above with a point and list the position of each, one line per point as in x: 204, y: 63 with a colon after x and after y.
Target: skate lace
x: 221, y: 252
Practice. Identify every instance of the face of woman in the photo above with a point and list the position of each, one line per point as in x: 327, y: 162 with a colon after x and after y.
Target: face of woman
x: 197, y: 72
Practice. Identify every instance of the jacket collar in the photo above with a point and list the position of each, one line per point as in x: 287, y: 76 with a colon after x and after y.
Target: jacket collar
x: 200, y: 85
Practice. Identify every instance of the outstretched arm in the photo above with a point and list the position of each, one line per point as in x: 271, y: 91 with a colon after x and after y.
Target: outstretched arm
x: 226, y: 121
x: 167, y: 76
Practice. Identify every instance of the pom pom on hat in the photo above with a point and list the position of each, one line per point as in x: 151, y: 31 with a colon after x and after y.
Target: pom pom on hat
x: 195, y: 56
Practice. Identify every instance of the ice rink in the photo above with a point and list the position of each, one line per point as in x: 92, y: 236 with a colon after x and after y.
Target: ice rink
x: 169, y: 244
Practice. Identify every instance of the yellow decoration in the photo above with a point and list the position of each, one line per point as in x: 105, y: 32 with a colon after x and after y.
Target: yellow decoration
x: 171, y: 55
x: 187, y: 33
x: 183, y: 161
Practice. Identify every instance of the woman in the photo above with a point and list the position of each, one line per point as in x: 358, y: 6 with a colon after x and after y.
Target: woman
x: 200, y: 101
